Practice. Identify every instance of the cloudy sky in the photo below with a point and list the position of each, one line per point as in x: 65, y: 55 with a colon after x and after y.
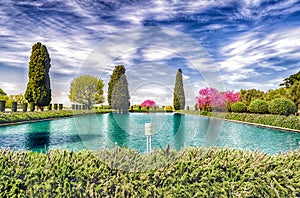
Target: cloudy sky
x: 225, y: 44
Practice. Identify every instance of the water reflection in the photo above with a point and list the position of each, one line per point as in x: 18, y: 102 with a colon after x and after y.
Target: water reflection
x: 178, y: 131
x: 117, y: 127
x: 37, y: 137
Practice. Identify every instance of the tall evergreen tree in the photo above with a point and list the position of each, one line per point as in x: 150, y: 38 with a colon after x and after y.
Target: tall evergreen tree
x: 117, y: 73
x: 120, y: 95
x: 179, y: 97
x: 38, y: 87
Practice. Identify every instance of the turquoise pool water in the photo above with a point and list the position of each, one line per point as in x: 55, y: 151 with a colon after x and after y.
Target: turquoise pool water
x: 96, y: 132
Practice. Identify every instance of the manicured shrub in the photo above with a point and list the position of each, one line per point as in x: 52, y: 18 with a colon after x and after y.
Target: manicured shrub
x: 238, y: 107
x: 2, y: 105
x: 258, y: 106
x: 50, y: 107
x: 25, y: 106
x: 14, y: 106
x: 282, y: 106
x: 60, y: 107
x: 168, y: 108
x: 32, y: 106
x: 55, y: 106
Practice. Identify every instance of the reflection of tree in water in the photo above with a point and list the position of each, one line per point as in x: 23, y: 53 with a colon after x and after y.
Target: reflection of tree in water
x: 118, y: 125
x: 178, y: 130
x: 37, y: 137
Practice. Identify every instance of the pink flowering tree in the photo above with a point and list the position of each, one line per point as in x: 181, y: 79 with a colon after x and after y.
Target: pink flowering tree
x: 148, y: 103
x: 230, y: 98
x: 211, y: 98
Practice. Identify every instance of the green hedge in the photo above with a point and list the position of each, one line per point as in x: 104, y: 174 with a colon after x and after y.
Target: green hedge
x: 186, y: 173
x: 27, y: 116
x: 258, y: 106
x: 291, y: 122
x: 238, y: 107
x: 282, y: 106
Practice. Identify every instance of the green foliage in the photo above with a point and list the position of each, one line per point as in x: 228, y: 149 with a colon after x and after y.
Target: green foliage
x: 169, y: 108
x: 6, y: 118
x: 290, y: 122
x: 258, y: 106
x: 179, y: 97
x: 24, y: 107
x: 87, y: 90
x: 250, y: 95
x: 294, y: 93
x: 277, y: 93
x: 38, y: 87
x: 291, y: 80
x: 238, y: 107
x: 196, y: 172
x: 120, y: 95
x: 32, y: 106
x: 282, y: 106
x: 2, y: 93
x: 2, y: 105
x: 116, y: 75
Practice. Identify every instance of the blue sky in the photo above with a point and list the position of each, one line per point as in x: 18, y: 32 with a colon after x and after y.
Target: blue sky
x: 226, y: 44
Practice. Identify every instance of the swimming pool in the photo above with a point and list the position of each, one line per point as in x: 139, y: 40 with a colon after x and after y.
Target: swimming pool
x: 95, y: 132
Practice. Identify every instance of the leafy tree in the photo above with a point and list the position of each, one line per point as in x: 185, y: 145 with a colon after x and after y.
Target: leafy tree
x: 179, y: 97
x: 294, y: 93
x: 116, y: 75
x: 120, y: 95
x: 287, y: 82
x: 2, y: 93
x: 277, y: 93
x: 38, y: 87
x: 20, y: 99
x: 87, y: 90
x: 250, y: 95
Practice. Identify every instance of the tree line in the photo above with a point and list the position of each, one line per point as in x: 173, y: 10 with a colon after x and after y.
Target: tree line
x: 86, y: 89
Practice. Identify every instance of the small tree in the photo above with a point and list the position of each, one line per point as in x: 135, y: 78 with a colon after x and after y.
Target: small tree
x: 38, y: 87
x: 120, y: 95
x: 116, y: 75
x: 87, y: 90
x: 179, y: 97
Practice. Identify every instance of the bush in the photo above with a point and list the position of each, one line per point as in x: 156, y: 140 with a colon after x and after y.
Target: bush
x: 282, y: 106
x: 168, y: 108
x: 258, y: 106
x: 196, y: 172
x: 238, y: 107
x: 32, y: 106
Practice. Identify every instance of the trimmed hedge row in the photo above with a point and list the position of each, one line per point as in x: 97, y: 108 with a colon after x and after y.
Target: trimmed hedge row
x: 27, y: 116
x: 291, y: 122
x: 190, y: 173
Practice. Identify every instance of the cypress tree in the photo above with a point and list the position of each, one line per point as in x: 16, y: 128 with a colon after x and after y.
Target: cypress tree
x: 179, y: 98
x: 120, y: 95
x: 117, y: 73
x: 38, y: 87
